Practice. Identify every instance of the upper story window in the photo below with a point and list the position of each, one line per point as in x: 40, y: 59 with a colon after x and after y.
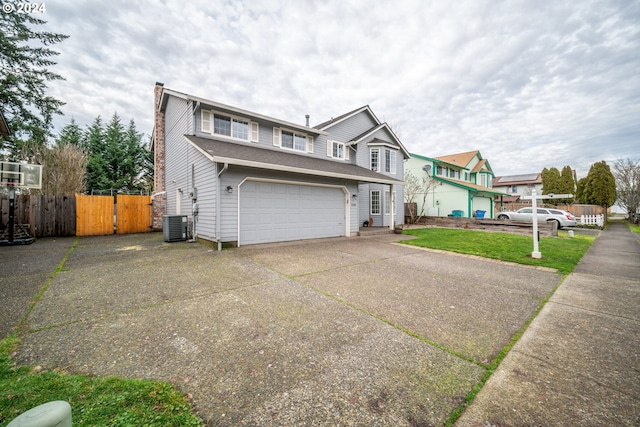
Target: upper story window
x: 390, y: 161
x: 455, y: 174
x: 292, y: 140
x: 227, y: 125
x: 374, y: 162
x: 513, y: 189
x: 440, y: 171
x: 337, y: 150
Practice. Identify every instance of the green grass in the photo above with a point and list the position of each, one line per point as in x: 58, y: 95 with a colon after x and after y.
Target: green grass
x: 561, y: 253
x: 634, y: 228
x: 105, y: 401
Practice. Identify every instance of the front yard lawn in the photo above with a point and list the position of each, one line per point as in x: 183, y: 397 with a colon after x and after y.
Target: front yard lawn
x: 94, y: 401
x: 561, y: 253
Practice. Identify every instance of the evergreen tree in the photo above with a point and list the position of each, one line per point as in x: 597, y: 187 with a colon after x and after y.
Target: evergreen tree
x: 580, y: 186
x: 550, y: 181
x: 25, y: 56
x: 567, y: 184
x: 114, y: 153
x: 94, y: 141
x: 600, y: 187
x: 118, y: 159
x: 71, y: 134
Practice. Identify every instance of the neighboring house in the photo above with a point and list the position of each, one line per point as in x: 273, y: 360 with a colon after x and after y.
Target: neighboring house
x: 461, y: 182
x: 244, y: 177
x: 517, y: 186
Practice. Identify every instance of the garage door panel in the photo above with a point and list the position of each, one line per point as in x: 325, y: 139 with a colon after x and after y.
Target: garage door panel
x: 272, y: 212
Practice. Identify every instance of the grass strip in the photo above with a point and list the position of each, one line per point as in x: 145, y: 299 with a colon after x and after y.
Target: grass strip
x: 561, y: 253
x: 94, y: 401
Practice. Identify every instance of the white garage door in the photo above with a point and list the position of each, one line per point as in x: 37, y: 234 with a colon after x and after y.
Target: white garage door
x: 277, y: 212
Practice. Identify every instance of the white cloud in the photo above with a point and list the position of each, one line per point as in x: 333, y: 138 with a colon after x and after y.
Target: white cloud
x: 530, y: 84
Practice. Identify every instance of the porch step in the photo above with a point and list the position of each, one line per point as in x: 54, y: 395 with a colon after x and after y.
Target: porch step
x: 372, y: 231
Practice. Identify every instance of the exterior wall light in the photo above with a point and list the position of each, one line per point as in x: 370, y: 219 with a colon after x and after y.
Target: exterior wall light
x: 229, y: 189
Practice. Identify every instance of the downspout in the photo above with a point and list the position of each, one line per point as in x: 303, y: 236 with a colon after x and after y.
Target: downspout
x: 470, y: 197
x: 218, y: 208
x: 392, y: 223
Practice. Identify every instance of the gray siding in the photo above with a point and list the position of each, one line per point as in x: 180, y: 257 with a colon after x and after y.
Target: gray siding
x: 352, y: 127
x: 178, y: 122
x: 235, y: 175
x: 205, y: 180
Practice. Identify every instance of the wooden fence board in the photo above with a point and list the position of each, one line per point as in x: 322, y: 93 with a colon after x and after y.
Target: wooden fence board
x: 133, y: 214
x: 94, y: 215
x: 51, y: 216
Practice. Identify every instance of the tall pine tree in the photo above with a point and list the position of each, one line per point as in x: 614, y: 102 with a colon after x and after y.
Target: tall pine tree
x: 97, y: 165
x: 25, y: 59
x: 600, y: 187
x: 567, y: 184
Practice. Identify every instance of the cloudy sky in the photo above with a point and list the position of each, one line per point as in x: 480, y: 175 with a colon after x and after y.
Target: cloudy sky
x: 529, y: 83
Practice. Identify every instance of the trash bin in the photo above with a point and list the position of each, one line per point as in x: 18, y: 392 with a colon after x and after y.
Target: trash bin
x: 457, y: 214
x: 480, y: 214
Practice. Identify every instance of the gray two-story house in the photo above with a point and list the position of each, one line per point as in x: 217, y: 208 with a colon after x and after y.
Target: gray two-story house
x: 244, y: 178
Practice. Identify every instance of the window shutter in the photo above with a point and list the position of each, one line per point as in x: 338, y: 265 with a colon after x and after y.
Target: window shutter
x: 309, y: 144
x: 276, y: 137
x: 329, y: 148
x: 206, y: 121
x: 255, y: 128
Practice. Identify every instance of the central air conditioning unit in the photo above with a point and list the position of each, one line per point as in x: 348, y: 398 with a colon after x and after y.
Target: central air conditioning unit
x: 174, y: 228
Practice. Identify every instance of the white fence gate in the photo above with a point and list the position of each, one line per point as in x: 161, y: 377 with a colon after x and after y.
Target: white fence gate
x: 592, y: 220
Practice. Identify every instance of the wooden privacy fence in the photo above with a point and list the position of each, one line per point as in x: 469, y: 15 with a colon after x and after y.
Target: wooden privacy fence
x: 96, y: 215
x: 46, y: 216
x: 133, y: 214
x: 51, y: 216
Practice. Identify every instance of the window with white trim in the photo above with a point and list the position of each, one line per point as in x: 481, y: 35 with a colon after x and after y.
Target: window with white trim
x: 227, y: 125
x: 390, y: 161
x: 374, y: 159
x: 337, y: 150
x: 375, y: 202
x: 292, y: 140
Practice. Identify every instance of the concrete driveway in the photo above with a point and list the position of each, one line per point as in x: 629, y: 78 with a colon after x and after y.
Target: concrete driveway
x: 347, y: 331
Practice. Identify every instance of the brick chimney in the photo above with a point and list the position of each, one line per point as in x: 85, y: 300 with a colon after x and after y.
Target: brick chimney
x: 159, y: 197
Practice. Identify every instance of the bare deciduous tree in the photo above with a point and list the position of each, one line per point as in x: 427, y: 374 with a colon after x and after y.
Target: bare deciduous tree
x: 417, y: 189
x: 63, y: 170
x: 627, y: 175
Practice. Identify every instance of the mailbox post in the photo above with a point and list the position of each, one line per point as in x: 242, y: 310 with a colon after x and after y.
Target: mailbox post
x: 534, y: 204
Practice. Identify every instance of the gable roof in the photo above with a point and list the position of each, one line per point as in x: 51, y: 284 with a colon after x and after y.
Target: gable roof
x: 235, y: 110
x: 374, y: 129
x: 345, y: 116
x: 436, y: 160
x: 261, y: 157
x: 460, y: 159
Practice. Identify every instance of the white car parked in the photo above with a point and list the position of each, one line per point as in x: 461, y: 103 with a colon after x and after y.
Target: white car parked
x: 563, y: 218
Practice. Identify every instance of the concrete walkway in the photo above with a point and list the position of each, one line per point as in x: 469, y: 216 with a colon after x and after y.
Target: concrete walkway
x: 579, y: 361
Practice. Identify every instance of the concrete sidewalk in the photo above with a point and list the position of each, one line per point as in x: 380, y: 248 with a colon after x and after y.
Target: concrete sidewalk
x: 579, y: 361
